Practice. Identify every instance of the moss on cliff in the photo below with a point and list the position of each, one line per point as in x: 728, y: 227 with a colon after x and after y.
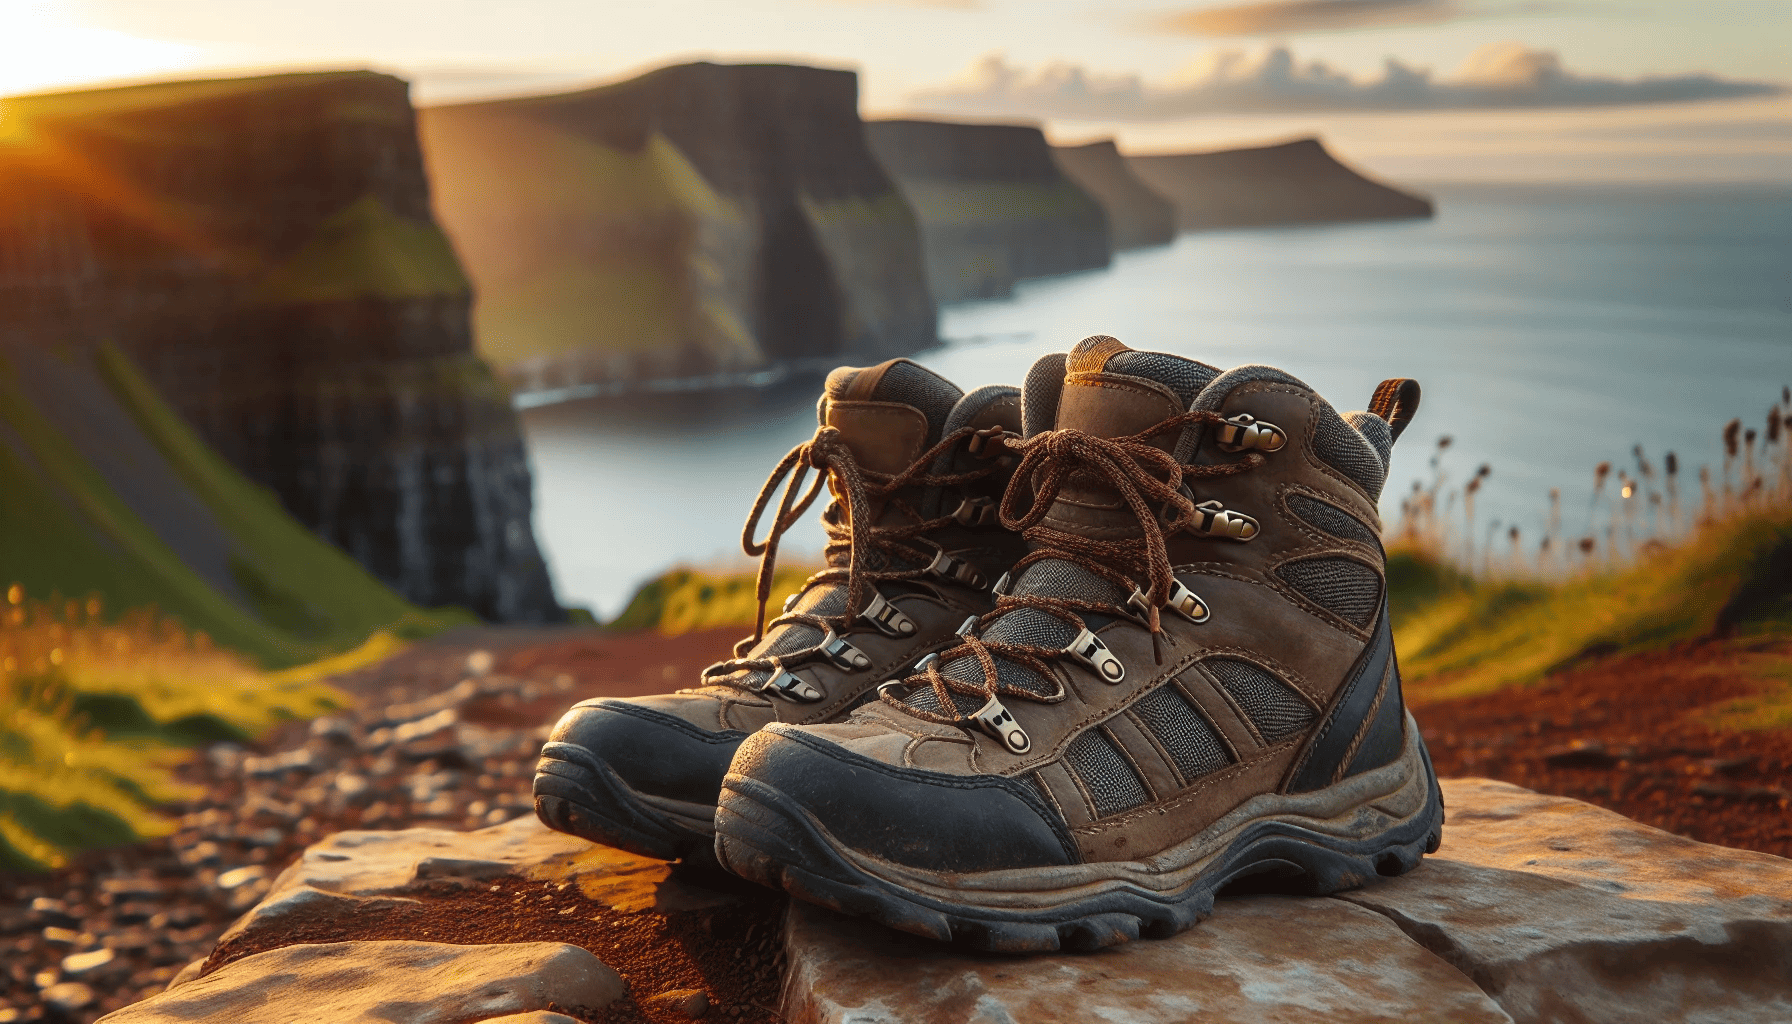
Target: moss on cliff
x: 700, y: 219
x: 366, y: 251
x: 66, y: 529
x: 264, y: 249
x: 993, y: 206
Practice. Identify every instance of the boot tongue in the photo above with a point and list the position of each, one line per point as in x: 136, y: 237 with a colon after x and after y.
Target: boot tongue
x: 1112, y: 391
x: 890, y: 413
x: 1108, y: 390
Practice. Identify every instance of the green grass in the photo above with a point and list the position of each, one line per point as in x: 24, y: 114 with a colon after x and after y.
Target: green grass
x: 683, y: 600
x: 93, y: 715
x: 1459, y: 636
x: 367, y: 251
x: 63, y: 530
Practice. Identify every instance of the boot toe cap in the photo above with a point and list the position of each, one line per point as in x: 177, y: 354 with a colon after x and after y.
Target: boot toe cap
x: 649, y: 750
x: 923, y: 819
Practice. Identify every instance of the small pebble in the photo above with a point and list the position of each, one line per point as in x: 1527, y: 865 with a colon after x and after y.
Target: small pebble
x: 81, y: 963
x: 68, y: 996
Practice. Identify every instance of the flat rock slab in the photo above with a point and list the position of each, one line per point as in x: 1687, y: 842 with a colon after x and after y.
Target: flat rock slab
x: 382, y: 982
x: 1563, y: 911
x: 1264, y: 959
x: 369, y: 872
x: 1536, y: 909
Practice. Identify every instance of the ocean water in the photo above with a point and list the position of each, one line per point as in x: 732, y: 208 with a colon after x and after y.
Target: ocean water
x: 1551, y: 329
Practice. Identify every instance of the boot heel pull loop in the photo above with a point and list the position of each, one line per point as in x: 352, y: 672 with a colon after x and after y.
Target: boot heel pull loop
x: 1397, y: 401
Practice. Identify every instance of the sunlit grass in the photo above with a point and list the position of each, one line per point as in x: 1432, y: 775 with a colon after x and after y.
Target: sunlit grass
x: 93, y: 715
x: 1459, y: 635
x: 1470, y: 618
x: 689, y: 599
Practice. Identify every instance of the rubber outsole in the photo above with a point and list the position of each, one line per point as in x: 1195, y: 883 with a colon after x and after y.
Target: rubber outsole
x: 764, y: 836
x: 580, y: 795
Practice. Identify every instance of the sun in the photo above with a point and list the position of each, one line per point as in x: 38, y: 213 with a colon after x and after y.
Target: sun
x: 43, y: 48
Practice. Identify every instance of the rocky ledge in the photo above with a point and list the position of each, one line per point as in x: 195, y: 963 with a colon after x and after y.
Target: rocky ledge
x: 1537, y: 908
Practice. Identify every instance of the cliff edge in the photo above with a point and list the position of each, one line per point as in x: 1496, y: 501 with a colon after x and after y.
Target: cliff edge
x: 1296, y: 182
x: 1137, y: 215
x: 690, y: 226
x: 994, y: 207
x: 263, y: 248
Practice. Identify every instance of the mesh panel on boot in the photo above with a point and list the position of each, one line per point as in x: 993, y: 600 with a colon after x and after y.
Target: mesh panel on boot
x: 1113, y: 784
x: 1185, y: 733
x: 1025, y: 626
x: 922, y: 388
x: 1183, y: 376
x: 828, y: 599
x: 1347, y: 589
x: 1331, y: 519
x: 1273, y: 706
x: 1040, y: 393
x: 1345, y: 450
x: 1376, y: 431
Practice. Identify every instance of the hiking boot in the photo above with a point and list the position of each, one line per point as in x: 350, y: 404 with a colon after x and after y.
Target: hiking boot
x: 1189, y: 680
x: 915, y: 470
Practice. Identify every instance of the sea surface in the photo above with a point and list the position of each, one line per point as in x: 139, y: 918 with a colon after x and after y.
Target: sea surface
x: 1551, y: 329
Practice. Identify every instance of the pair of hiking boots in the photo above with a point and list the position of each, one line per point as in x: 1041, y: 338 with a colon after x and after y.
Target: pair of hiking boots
x: 1085, y: 652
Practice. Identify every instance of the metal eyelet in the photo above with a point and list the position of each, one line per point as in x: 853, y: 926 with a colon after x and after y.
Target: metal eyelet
x: 1091, y: 651
x: 1216, y: 521
x: 790, y: 602
x: 843, y: 654
x: 955, y: 570
x: 791, y: 688
x: 1001, y: 586
x: 887, y: 618
x: 1246, y: 431
x: 965, y: 627
x: 975, y: 511
x: 1182, y: 601
x: 999, y: 722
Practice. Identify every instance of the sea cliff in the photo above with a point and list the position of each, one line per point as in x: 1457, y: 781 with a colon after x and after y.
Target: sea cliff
x: 994, y: 207
x: 696, y: 225
x: 1296, y: 182
x: 1137, y: 215
x: 264, y: 249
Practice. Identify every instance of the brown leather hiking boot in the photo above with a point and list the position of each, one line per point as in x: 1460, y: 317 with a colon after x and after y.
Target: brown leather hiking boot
x: 915, y: 469
x: 1190, y: 680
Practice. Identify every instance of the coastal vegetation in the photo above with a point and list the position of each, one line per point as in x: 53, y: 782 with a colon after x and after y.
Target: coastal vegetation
x: 1472, y: 618
x: 95, y: 713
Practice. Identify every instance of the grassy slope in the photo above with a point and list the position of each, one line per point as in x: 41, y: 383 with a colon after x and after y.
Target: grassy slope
x: 64, y: 530
x: 303, y: 585
x: 367, y: 251
x: 604, y: 250
x: 686, y: 599
x: 1458, y: 636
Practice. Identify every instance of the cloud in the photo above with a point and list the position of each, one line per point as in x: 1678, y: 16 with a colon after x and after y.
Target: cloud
x: 1497, y: 76
x: 1286, y: 17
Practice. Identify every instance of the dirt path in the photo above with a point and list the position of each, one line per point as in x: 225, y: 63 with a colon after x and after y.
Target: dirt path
x: 1634, y: 735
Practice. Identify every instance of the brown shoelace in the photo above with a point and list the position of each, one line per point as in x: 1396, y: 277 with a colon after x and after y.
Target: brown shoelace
x: 857, y: 493
x: 1148, y: 479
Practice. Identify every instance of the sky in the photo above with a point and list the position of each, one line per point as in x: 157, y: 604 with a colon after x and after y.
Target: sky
x: 1423, y: 90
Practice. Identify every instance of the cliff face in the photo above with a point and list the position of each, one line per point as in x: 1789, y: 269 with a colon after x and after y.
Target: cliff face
x: 699, y: 222
x: 1293, y: 183
x: 105, y: 491
x: 994, y: 207
x: 264, y: 249
x: 1137, y: 216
